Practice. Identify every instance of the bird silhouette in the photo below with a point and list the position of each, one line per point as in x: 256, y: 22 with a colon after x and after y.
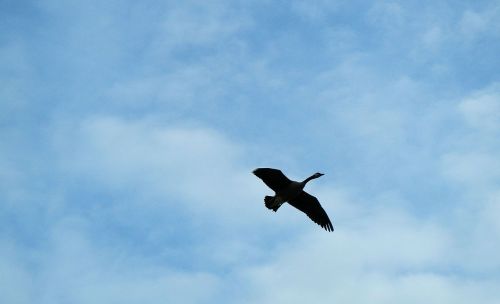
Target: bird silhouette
x: 288, y: 191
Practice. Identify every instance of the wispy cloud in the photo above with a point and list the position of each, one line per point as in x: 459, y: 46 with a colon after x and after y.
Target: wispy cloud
x: 482, y: 109
x: 130, y: 130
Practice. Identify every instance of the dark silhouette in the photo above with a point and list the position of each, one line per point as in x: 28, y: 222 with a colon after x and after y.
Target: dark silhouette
x: 292, y: 192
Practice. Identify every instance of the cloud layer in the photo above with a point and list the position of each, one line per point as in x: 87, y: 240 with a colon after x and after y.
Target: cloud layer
x: 129, y: 133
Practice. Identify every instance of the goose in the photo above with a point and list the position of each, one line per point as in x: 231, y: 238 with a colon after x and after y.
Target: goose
x: 288, y: 191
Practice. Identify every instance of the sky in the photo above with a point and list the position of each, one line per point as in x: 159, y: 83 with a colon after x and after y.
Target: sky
x: 129, y: 131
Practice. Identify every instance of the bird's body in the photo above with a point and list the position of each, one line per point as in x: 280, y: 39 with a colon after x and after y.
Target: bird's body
x: 292, y: 192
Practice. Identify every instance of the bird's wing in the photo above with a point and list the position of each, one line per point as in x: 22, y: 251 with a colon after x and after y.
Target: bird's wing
x: 273, y: 178
x: 311, y: 206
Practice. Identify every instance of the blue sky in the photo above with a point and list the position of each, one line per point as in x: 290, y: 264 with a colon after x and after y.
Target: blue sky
x: 129, y: 131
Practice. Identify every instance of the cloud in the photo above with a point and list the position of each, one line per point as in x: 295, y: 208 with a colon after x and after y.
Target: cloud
x: 392, y: 257
x: 481, y: 110
x: 475, y: 23
x: 192, y: 162
x: 474, y: 169
x: 16, y: 283
x: 160, y: 170
x: 197, y: 23
x: 184, y: 30
x: 181, y: 90
x: 433, y: 37
x: 316, y: 11
x: 385, y: 15
x: 16, y: 74
x: 472, y: 160
x: 471, y: 166
x: 132, y: 182
x: 472, y: 23
x: 72, y: 267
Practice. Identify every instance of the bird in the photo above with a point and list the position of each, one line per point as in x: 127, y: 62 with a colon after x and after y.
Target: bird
x: 289, y: 191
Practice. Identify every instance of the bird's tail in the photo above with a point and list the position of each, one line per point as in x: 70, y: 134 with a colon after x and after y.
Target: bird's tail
x: 270, y: 203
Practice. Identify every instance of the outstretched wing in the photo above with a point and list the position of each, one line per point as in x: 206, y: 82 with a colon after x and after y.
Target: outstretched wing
x: 311, y: 206
x: 273, y: 178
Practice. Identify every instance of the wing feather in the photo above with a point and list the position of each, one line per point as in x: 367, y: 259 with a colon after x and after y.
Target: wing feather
x: 311, y: 206
x: 273, y: 178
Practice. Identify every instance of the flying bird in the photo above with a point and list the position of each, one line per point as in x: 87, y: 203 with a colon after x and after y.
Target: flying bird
x: 288, y: 191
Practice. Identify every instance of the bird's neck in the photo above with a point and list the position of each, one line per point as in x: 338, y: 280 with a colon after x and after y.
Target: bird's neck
x: 304, y: 182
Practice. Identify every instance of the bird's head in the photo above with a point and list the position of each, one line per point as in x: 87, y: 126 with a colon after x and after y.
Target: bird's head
x: 317, y: 174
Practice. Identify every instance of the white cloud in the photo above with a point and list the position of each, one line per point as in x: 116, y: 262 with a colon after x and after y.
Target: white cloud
x: 10, y: 178
x: 472, y: 169
x: 178, y: 90
x: 388, y: 15
x: 475, y: 23
x: 379, y: 113
x: 393, y: 258
x: 433, y: 38
x: 472, y: 161
x: 380, y: 252
x: 16, y: 283
x: 117, y: 151
x: 490, y: 212
x: 71, y: 267
x: 482, y: 109
x: 199, y: 24
x: 16, y: 73
x: 315, y: 11
x: 472, y: 23
x: 169, y: 163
